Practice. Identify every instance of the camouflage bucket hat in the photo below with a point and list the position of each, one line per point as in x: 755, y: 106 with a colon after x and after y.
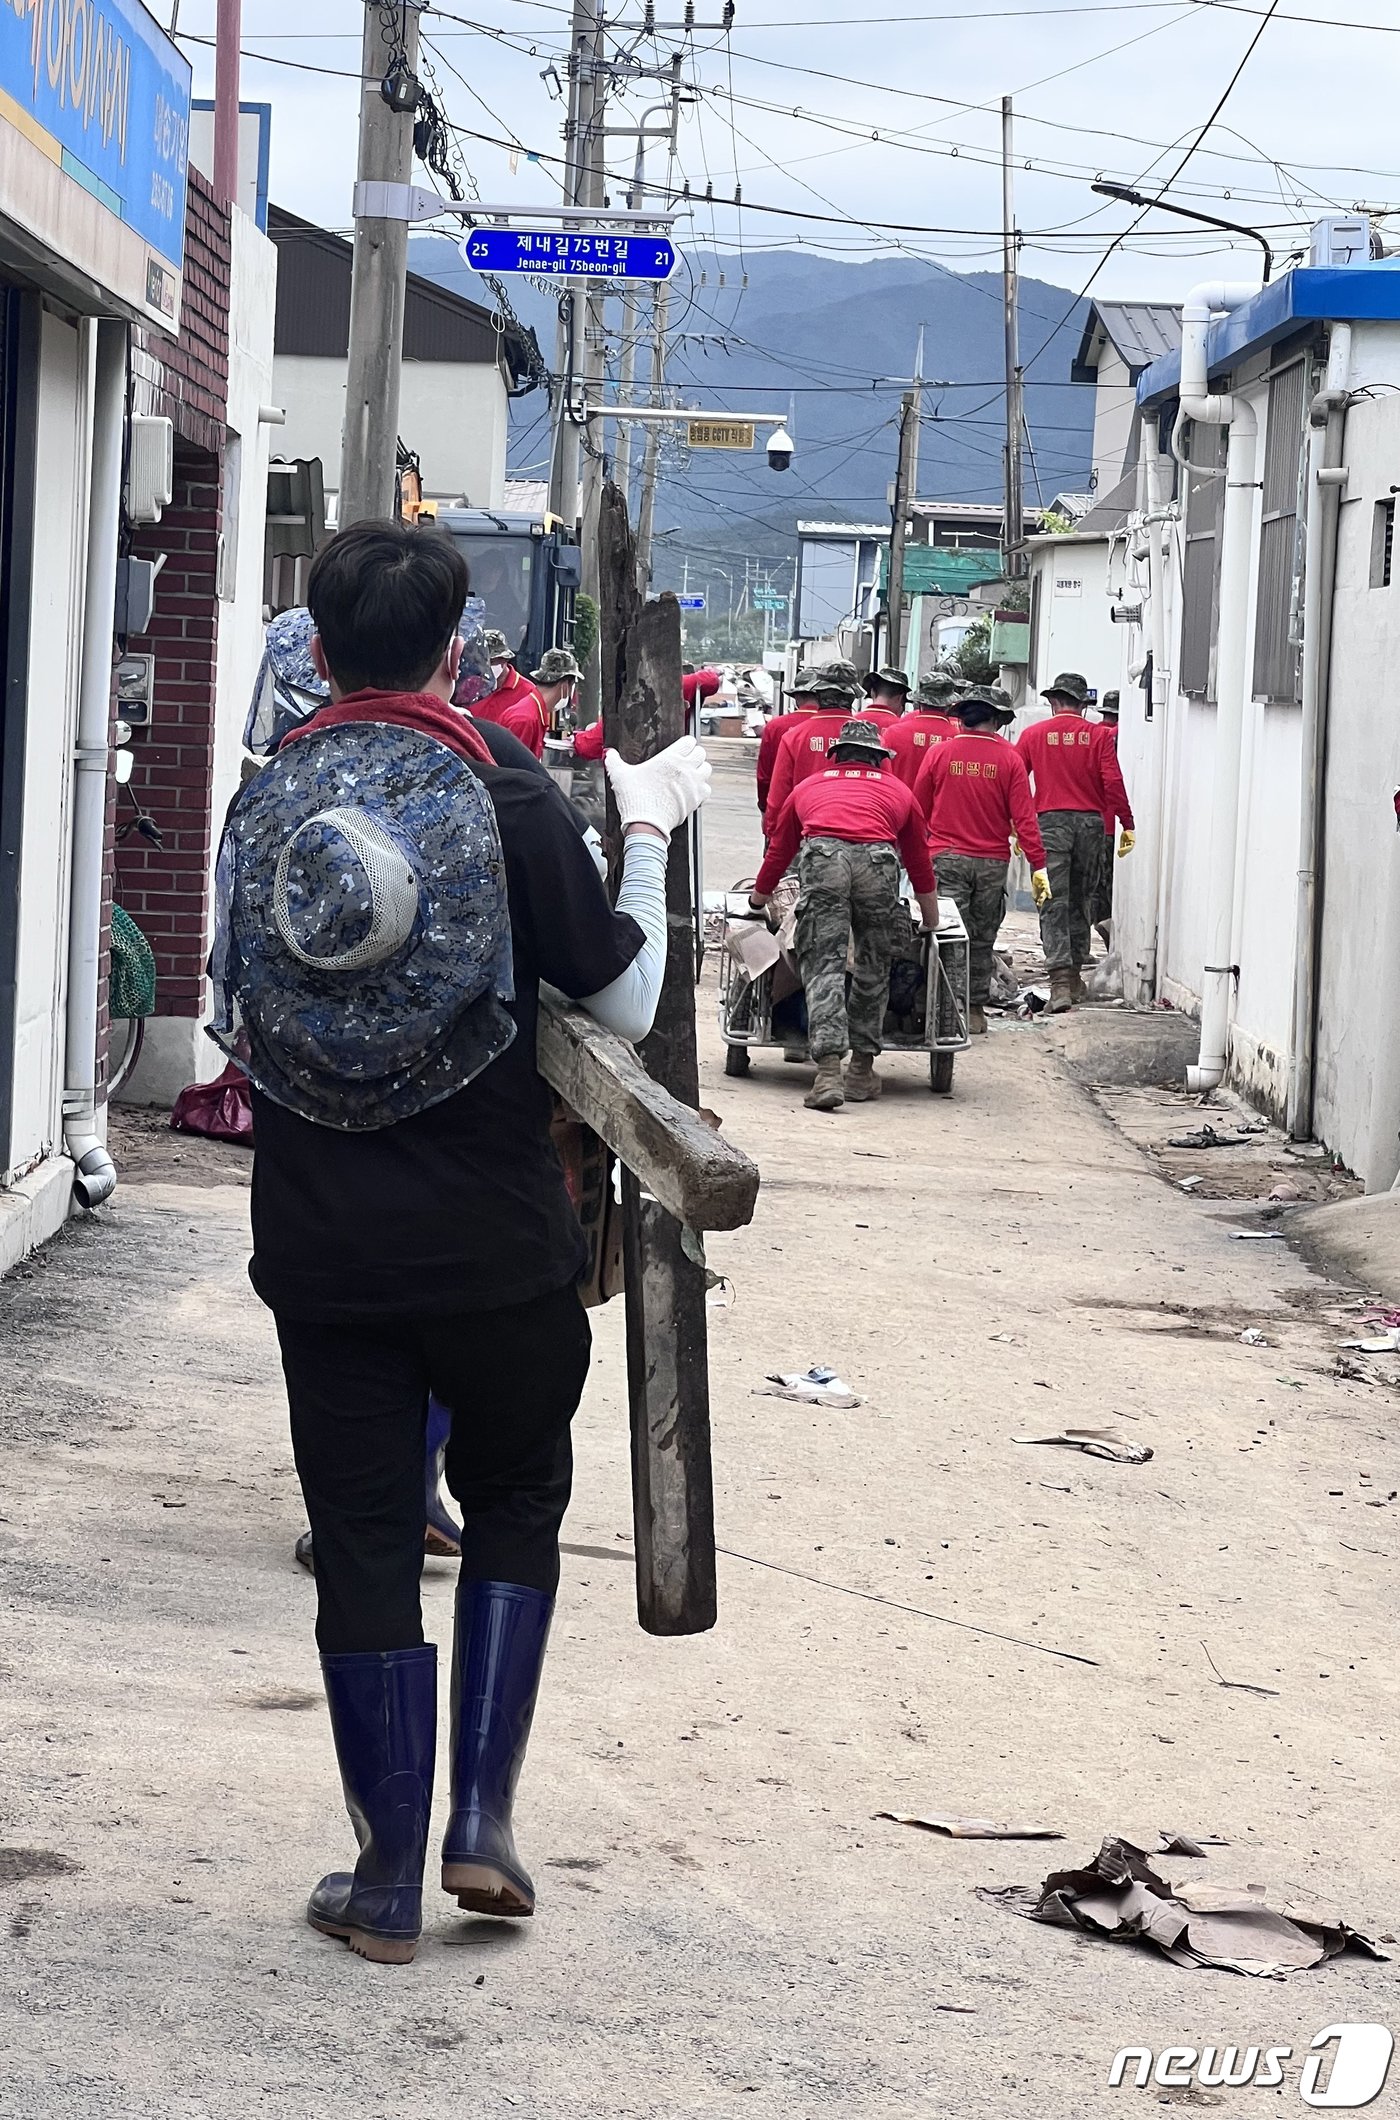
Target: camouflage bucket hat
x: 498, y: 648
x: 1070, y: 685
x: 362, y: 951
x: 862, y: 736
x: 839, y: 678
x: 892, y: 679
x: 557, y: 667
x: 939, y: 687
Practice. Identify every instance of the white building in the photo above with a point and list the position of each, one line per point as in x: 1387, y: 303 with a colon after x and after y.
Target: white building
x: 1265, y: 890
x: 92, y: 226
x: 458, y: 370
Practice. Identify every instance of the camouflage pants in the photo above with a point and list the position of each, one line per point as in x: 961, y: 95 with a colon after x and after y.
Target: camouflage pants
x: 848, y: 892
x: 977, y: 887
x: 1073, y: 858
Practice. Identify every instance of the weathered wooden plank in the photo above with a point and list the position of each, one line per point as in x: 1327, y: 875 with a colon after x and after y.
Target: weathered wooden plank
x: 696, y: 1175
x: 668, y: 1374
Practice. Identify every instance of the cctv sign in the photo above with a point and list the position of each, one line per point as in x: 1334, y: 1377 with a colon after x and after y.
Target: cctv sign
x: 720, y: 434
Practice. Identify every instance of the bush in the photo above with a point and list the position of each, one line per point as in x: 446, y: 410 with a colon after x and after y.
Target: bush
x: 585, y: 628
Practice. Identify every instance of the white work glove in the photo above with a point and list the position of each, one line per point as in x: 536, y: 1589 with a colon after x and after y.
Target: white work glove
x: 662, y: 791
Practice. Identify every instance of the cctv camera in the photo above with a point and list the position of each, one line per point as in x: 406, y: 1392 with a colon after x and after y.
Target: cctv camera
x: 780, y: 450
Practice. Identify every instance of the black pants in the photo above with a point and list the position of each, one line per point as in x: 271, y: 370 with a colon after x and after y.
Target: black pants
x: 359, y: 1400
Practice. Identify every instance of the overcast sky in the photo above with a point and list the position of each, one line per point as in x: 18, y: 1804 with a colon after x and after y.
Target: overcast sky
x: 1112, y: 90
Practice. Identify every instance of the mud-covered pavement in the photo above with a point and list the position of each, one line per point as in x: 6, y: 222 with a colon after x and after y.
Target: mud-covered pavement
x: 724, y: 1927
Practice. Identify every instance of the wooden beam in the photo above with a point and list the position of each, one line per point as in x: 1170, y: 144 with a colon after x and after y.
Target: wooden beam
x: 668, y: 1374
x: 701, y: 1179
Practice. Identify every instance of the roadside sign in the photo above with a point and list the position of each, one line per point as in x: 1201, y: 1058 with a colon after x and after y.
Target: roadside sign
x: 769, y: 600
x: 570, y: 254
x: 720, y: 434
x: 691, y: 603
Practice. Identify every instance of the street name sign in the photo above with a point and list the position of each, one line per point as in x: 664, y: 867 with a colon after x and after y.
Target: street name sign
x: 720, y: 434
x: 691, y: 603
x: 769, y: 600
x: 570, y: 253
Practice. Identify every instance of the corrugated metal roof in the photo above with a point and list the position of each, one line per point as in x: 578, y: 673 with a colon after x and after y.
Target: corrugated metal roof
x: 1140, y: 332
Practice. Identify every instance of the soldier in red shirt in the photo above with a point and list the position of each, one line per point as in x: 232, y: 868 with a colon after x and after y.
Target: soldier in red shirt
x: 1101, y: 908
x: 834, y: 689
x: 848, y: 820
x: 886, y: 692
x: 777, y: 726
x: 512, y: 690
x: 975, y: 793
x: 1076, y: 780
x: 930, y: 722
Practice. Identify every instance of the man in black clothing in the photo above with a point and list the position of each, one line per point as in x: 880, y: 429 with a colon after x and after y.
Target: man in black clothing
x: 436, y: 1251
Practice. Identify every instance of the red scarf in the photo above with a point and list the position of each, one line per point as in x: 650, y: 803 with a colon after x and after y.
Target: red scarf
x: 422, y: 711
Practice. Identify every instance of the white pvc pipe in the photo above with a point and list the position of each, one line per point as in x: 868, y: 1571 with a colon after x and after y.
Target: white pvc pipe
x: 1231, y: 686
x: 1326, y: 416
x: 95, y: 1177
x: 1157, y: 640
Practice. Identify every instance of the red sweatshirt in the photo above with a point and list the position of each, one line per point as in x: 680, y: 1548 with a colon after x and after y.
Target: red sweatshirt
x: 911, y: 737
x: 801, y: 750
x: 528, y: 720
x: 975, y: 792
x: 1071, y: 768
x: 769, y: 743
x: 865, y: 804
x: 698, y: 686
x: 588, y: 743
x: 1106, y: 735
x: 516, y: 691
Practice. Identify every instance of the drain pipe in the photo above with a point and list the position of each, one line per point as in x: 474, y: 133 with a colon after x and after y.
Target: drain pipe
x: 95, y: 1178
x: 1157, y: 640
x: 1326, y: 477
x: 1241, y: 484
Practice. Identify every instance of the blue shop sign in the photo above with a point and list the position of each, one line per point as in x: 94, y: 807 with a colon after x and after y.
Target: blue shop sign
x: 100, y: 89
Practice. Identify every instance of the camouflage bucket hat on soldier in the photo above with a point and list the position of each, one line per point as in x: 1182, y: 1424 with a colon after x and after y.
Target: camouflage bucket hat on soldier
x: 838, y: 679
x: 498, y: 648
x: 863, y: 737
x: 889, y: 677
x: 938, y: 688
x: 1070, y: 685
x: 557, y: 667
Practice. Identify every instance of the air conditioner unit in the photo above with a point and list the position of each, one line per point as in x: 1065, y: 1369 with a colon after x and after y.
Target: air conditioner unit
x: 150, y: 480
x: 1340, y: 239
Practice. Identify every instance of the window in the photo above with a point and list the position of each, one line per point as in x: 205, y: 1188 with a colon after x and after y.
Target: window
x: 1277, y: 612
x: 1382, y: 544
x: 1200, y: 591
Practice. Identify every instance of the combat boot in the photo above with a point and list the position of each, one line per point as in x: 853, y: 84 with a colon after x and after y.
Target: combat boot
x: 1078, y: 991
x: 862, y: 1082
x: 976, y: 1021
x: 1061, y: 993
x: 826, y: 1093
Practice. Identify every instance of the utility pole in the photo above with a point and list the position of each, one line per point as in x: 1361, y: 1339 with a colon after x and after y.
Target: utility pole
x: 646, y: 505
x: 369, y: 459
x: 226, y: 100
x: 905, y: 488
x: 564, y: 460
x: 1014, y: 537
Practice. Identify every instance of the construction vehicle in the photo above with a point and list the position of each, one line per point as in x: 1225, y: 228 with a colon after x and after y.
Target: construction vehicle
x: 527, y: 570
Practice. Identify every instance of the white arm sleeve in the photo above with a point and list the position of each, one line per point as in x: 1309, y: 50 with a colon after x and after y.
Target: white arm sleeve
x: 628, y: 1005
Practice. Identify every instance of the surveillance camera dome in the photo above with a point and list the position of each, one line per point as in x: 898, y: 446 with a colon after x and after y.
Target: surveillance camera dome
x: 780, y: 450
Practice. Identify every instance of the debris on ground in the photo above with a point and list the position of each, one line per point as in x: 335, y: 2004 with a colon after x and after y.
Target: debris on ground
x: 1385, y: 1343
x: 1193, y: 1844
x: 1253, y: 1337
x: 1257, y: 1236
x: 1238, y: 1685
x: 1207, y: 1137
x: 1120, y: 1897
x: 970, y: 1828
x: 1097, y: 1442
x: 812, y: 1387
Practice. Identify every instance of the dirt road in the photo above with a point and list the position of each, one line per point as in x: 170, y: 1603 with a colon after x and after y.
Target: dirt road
x: 724, y: 1927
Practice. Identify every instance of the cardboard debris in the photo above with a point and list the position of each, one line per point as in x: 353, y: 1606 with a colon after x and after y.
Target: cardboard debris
x: 970, y: 1828
x: 1388, y: 1343
x: 811, y: 1387
x: 1120, y: 1897
x: 1097, y: 1442
x: 752, y: 945
x: 1187, y: 1844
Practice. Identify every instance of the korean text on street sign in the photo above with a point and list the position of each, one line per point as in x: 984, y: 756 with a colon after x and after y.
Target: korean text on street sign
x: 720, y: 434
x: 570, y: 254
x: 691, y: 603
x: 769, y: 600
x: 105, y: 95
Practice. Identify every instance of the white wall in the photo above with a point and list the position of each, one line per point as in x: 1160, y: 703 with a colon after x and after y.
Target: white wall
x: 1073, y: 627
x: 176, y: 1051
x: 1115, y: 400
x: 1361, y: 872
x: 452, y: 414
x: 60, y: 552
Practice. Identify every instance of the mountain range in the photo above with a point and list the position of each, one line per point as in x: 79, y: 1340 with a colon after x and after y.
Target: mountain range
x: 816, y: 333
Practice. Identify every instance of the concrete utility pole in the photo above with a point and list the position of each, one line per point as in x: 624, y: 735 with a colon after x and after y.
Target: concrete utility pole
x: 370, y: 444
x: 646, y: 505
x: 1014, y: 537
x: 905, y: 489
x: 564, y: 461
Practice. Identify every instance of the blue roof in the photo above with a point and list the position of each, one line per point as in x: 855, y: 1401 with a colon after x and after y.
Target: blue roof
x: 1307, y: 295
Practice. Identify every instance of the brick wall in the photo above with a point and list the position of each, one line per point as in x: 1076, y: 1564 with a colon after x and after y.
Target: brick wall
x: 165, y: 889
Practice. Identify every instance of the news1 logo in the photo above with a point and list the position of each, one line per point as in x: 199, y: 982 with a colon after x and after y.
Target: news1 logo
x: 1345, y: 2067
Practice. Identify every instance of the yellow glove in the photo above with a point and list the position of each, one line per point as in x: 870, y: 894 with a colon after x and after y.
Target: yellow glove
x: 1015, y: 849
x: 1126, y: 842
x: 1040, y: 889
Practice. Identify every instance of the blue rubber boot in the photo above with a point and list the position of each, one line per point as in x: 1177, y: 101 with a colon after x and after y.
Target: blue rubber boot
x: 384, y: 1721
x: 442, y: 1536
x: 502, y: 1629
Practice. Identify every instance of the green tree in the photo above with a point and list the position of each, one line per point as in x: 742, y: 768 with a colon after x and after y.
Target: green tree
x: 585, y: 628
x: 972, y: 658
